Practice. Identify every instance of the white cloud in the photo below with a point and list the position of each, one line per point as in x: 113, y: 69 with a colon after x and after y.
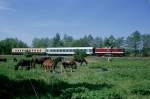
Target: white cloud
x: 5, y: 8
x: 5, y: 5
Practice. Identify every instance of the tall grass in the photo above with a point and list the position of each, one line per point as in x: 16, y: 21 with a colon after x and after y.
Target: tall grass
x: 98, y: 80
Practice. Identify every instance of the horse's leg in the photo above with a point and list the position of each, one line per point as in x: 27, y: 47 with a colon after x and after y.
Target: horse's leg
x: 28, y: 67
x: 16, y: 67
x: 71, y: 68
x: 21, y: 67
x: 61, y: 67
x: 33, y: 65
x: 45, y: 68
x: 80, y: 63
x: 41, y: 65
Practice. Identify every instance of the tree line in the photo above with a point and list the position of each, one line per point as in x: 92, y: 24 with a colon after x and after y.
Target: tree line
x: 136, y: 44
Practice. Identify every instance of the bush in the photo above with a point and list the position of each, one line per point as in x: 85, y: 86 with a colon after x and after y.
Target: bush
x: 84, y: 93
x: 27, y: 54
x: 105, y: 94
x: 67, y: 93
x: 142, y: 88
x: 79, y: 54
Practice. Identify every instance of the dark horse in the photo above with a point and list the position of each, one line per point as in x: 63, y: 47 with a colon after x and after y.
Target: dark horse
x: 39, y: 60
x: 3, y: 59
x: 23, y: 63
x: 50, y: 64
x: 81, y: 61
x: 69, y: 64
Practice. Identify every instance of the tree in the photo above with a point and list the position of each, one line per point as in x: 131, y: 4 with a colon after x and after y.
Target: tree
x: 98, y: 42
x: 57, y: 42
x: 133, y: 42
x: 90, y: 40
x: 110, y: 41
x: 82, y: 42
x: 120, y: 42
x: 107, y: 42
x: 68, y: 40
x: 7, y: 44
x: 79, y: 54
x: 146, y: 44
x: 39, y: 43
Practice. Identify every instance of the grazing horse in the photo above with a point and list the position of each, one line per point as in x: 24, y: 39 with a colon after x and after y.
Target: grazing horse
x: 3, y: 59
x: 23, y: 63
x: 57, y: 60
x: 50, y: 64
x: 81, y: 61
x: 69, y: 64
x: 39, y: 60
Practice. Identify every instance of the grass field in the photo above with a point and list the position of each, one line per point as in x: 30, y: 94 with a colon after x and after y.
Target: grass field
x: 123, y: 78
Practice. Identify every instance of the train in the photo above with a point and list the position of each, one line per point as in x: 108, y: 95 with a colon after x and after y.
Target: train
x: 71, y: 50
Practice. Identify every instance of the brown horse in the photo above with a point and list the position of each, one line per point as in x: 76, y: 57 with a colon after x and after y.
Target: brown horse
x: 69, y: 64
x: 81, y: 61
x: 50, y: 64
x: 39, y: 60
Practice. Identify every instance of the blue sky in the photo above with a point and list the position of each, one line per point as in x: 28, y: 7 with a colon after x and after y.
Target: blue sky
x: 26, y: 19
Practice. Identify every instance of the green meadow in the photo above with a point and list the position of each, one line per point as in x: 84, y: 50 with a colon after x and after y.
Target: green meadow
x: 123, y: 78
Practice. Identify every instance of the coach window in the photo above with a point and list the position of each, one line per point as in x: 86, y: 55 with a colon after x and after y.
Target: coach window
x: 91, y: 50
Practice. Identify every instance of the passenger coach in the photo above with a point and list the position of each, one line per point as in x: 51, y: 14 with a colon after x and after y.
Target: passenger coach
x: 31, y: 50
x: 68, y: 50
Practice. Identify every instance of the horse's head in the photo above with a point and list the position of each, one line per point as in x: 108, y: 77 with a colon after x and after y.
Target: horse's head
x: 59, y: 59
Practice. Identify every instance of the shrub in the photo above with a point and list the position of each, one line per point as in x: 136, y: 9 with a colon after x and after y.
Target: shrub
x: 142, y: 88
x: 79, y: 54
x: 84, y: 93
x: 67, y: 93
x: 104, y: 94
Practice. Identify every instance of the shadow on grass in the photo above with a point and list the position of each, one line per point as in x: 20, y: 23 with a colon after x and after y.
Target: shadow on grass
x: 100, y: 69
x: 22, y: 88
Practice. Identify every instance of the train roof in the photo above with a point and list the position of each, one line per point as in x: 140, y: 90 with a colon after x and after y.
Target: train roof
x: 109, y: 48
x: 70, y: 48
x: 28, y: 48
